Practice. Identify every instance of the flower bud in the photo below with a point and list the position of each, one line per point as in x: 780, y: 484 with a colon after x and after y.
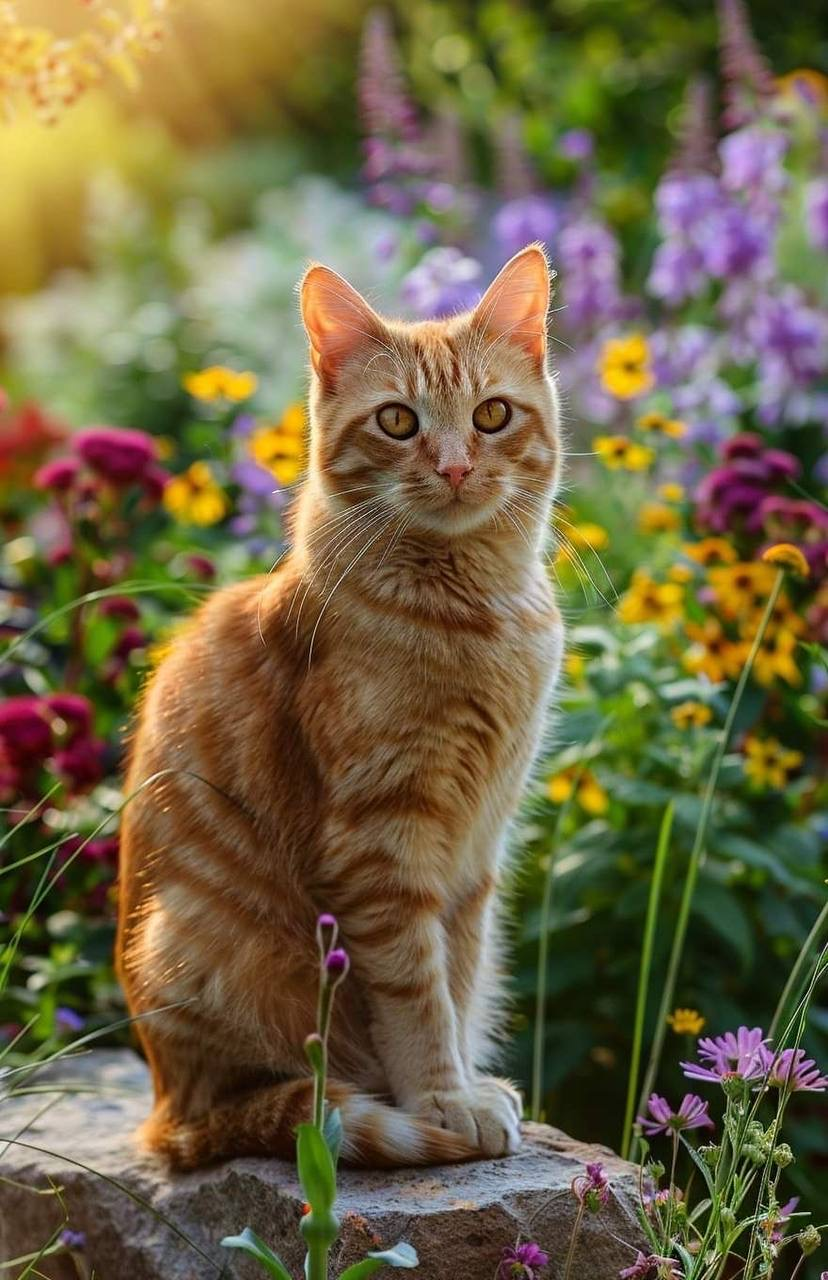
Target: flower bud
x: 327, y: 931
x: 655, y: 1170
x: 710, y: 1154
x: 727, y: 1218
x: 783, y: 1156
x: 336, y: 965
x: 735, y: 1087
x: 315, y: 1051
x: 809, y: 1240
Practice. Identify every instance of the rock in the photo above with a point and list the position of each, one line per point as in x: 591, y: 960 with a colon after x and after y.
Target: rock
x: 141, y: 1223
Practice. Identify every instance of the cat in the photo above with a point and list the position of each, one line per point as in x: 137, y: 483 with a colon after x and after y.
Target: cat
x: 352, y: 734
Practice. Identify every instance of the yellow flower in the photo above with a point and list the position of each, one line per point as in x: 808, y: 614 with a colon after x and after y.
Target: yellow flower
x: 589, y: 794
x: 691, y: 715
x: 775, y: 660
x: 671, y: 492
x: 680, y: 573
x: 786, y: 556
x: 585, y: 536
x: 686, y: 1022
x: 194, y: 497
x: 280, y: 452
x: 220, y: 383
x: 713, y: 653
x: 293, y: 420
x: 624, y: 366
x: 768, y: 763
x: 618, y: 452
x: 655, y: 517
x: 710, y: 551
x: 739, y: 588
x: 575, y: 667
x: 651, y: 601
x: 661, y: 425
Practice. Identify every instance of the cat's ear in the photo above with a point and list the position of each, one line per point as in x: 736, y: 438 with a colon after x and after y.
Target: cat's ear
x: 337, y: 319
x: 516, y: 303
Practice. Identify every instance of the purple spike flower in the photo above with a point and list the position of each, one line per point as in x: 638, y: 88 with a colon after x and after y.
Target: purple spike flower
x: 697, y: 135
x: 394, y: 158
x: 748, y: 80
x: 652, y: 1266
x: 692, y: 1114
x: 734, y: 1054
x: 522, y: 1262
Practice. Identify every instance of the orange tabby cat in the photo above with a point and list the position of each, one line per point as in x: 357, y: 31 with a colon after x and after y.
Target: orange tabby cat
x: 352, y: 734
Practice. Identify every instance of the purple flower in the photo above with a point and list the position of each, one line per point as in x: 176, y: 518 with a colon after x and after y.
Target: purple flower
x: 519, y: 222
x: 683, y: 200
x: 521, y: 1263
x: 72, y: 1239
x: 816, y: 213
x: 444, y: 281
x: 677, y: 272
x: 692, y: 1114
x: 591, y: 257
x: 116, y: 453
x: 752, y: 160
x: 577, y: 144
x: 651, y: 1267
x: 735, y: 242
x: 592, y: 1187
x: 748, y: 81
x: 791, y: 1070
x: 67, y: 1019
x: 394, y: 159
x: 739, y: 1054
x: 336, y: 964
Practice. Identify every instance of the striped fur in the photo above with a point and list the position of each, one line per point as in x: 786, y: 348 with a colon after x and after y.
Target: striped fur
x: 352, y: 734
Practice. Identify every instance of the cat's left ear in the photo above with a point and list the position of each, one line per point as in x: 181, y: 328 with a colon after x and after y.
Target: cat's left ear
x: 337, y: 319
x: 516, y: 303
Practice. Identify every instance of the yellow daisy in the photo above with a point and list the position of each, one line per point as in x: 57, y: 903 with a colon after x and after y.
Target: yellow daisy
x: 624, y: 366
x: 194, y: 497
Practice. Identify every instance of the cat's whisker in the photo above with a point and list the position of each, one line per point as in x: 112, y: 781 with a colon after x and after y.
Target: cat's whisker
x: 329, y: 553
x: 338, y: 583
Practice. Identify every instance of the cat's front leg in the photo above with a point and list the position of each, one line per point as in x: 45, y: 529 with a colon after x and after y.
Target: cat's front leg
x: 397, y: 942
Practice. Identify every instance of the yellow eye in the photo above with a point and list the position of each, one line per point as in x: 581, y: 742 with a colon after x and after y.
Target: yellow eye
x: 398, y: 421
x: 492, y: 415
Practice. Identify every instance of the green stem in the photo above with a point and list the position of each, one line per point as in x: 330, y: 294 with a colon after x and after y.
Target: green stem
x: 644, y: 974
x: 576, y: 1230
x: 795, y: 974
x: 698, y: 850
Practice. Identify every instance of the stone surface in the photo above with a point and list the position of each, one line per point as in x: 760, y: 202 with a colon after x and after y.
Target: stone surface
x: 458, y: 1217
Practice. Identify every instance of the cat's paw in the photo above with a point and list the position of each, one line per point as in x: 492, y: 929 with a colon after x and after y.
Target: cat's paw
x: 503, y: 1089
x: 483, y: 1114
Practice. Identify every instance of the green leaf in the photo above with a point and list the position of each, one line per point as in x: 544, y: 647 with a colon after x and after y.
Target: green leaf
x: 402, y: 1256
x: 703, y: 1169
x: 332, y: 1132
x: 316, y: 1168
x: 250, y: 1243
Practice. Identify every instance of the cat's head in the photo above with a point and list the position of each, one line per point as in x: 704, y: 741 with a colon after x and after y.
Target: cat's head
x: 454, y: 422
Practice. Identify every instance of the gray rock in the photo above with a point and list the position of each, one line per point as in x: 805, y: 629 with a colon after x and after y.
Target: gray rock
x: 143, y: 1224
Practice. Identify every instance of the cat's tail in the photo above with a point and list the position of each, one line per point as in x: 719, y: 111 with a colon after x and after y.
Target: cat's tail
x: 264, y: 1122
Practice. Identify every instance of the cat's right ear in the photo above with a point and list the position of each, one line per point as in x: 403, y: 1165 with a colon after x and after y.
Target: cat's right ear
x: 337, y: 320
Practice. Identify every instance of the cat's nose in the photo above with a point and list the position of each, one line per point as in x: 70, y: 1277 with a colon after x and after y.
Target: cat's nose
x: 455, y: 472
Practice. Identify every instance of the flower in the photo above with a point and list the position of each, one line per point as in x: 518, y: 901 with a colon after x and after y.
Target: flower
x: 729, y: 498
x: 739, y: 588
x: 671, y: 491
x: 791, y: 1070
x: 593, y: 283
x: 655, y: 517
x: 72, y: 1239
x: 592, y: 1187
x: 687, y: 1021
x: 712, y: 653
x: 649, y: 601
x: 651, y: 1267
x: 775, y: 658
x: 445, y: 280
x: 524, y: 220
x: 589, y: 793
x: 194, y: 497
x: 620, y: 452
x: 80, y: 764
x: 787, y: 556
x: 58, y: 475
x: 68, y: 1020
x: 768, y: 763
x: 24, y: 730
x: 282, y: 453
x: 711, y: 551
x: 624, y: 366
x: 220, y: 383
x: 660, y: 424
x: 690, y: 715
x: 734, y: 1054
x: 692, y: 1114
x: 336, y: 964
x: 816, y: 213
x: 523, y: 1262
x: 118, y: 454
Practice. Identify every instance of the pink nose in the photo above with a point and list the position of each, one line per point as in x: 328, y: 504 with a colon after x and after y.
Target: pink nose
x: 455, y: 473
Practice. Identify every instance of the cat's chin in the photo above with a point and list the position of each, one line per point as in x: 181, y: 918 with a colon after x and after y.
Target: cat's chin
x: 457, y: 518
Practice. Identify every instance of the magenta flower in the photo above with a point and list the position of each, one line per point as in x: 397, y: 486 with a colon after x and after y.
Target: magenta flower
x: 58, y: 475
x: 81, y: 763
x: 790, y: 1069
x: 739, y: 1054
x: 692, y: 1114
x: 118, y: 454
x: 592, y: 1187
x: 24, y: 730
x: 522, y: 1262
x: 651, y: 1267
x: 74, y: 710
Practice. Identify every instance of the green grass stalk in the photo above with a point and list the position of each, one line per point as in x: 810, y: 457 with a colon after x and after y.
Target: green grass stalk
x: 645, y: 967
x: 698, y: 849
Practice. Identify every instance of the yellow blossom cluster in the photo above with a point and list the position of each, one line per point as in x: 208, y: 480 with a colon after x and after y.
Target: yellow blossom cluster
x: 218, y: 383
x: 281, y: 447
x: 624, y: 366
x: 691, y: 715
x: 647, y: 600
x: 583, y: 785
x: 621, y: 453
x: 768, y: 763
x: 195, y: 497
x: 686, y: 1022
x: 50, y: 73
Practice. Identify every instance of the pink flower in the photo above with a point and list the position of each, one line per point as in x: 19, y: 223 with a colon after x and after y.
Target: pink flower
x: 24, y: 730
x: 121, y: 607
x: 521, y: 1263
x: 692, y: 1114
x: 74, y: 710
x: 155, y: 481
x: 118, y: 454
x: 58, y: 475
x: 592, y: 1187
x: 81, y: 763
x: 651, y: 1267
x: 739, y: 1053
x: 791, y: 1070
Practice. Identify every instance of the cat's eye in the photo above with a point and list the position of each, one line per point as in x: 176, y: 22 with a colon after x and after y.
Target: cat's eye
x: 398, y: 421
x: 492, y: 415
